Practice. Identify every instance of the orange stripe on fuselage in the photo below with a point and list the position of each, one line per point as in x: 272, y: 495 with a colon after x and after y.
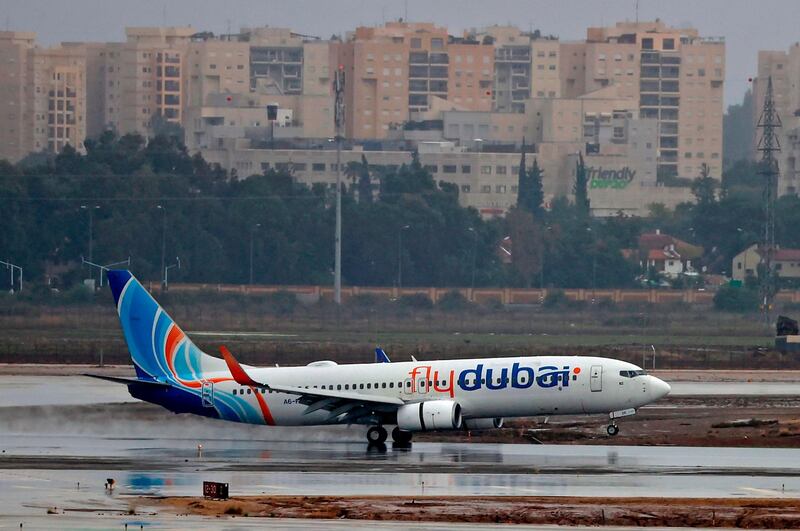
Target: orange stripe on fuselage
x: 264, y: 408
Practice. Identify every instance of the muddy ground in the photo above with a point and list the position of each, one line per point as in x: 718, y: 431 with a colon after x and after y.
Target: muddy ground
x: 572, y: 511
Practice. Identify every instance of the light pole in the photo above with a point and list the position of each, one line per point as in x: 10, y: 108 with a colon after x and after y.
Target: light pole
x: 474, y: 255
x: 163, y: 242
x: 594, y: 264
x: 12, y: 267
x: 90, y: 209
x: 252, y: 234
x: 166, y: 271
x: 338, y: 118
x: 400, y: 255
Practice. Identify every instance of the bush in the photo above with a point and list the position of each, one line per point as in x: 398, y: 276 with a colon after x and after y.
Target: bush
x: 453, y: 301
x: 364, y: 300
x: 282, y: 302
x: 555, y: 298
x: 418, y: 301
x: 78, y: 294
x: 736, y: 299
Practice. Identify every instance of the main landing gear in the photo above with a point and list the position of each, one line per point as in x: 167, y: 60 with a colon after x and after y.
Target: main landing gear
x: 376, y: 435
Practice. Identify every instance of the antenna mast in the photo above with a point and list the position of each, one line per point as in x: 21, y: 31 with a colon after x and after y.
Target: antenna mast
x: 338, y: 88
x: 768, y: 145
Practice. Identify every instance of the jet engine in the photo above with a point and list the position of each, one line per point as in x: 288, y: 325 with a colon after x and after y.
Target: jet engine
x: 484, y: 423
x: 430, y: 415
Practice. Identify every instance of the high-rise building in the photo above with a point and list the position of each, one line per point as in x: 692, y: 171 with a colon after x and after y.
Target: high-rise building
x: 397, y: 69
x: 526, y: 65
x: 676, y: 75
x: 784, y: 69
x: 43, y: 108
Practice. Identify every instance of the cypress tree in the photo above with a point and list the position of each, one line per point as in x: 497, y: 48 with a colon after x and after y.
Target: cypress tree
x: 581, y: 188
x: 535, y: 194
x: 523, y: 192
x: 364, y: 182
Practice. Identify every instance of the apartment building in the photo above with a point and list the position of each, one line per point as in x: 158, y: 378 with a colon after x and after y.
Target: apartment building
x: 784, y: 69
x: 44, y: 96
x: 676, y: 75
x: 397, y: 69
x: 525, y: 65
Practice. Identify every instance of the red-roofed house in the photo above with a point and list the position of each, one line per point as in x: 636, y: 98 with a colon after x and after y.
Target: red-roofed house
x: 666, y: 254
x: 787, y: 263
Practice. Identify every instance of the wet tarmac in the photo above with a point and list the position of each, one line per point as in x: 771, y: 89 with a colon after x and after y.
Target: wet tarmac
x: 60, y: 455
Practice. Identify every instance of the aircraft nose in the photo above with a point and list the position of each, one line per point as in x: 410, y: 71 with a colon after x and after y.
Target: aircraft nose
x: 660, y: 388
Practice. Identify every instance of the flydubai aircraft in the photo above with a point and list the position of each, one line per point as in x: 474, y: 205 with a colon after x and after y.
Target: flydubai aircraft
x: 411, y: 396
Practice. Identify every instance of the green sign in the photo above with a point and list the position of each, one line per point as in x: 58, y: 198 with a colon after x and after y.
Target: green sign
x: 616, y: 179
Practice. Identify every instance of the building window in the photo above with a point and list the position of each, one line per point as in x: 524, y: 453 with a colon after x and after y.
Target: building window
x: 449, y: 168
x: 486, y: 170
x: 416, y: 43
x: 501, y: 170
x: 431, y: 168
x: 466, y: 168
x: 318, y: 166
x: 647, y: 43
x: 669, y: 44
x: 465, y: 188
x: 500, y: 188
x: 486, y: 189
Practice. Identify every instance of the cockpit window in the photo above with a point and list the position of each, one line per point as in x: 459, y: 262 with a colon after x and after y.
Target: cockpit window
x: 632, y: 374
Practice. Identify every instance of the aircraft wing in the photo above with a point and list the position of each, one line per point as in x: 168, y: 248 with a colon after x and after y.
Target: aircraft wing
x: 343, y: 405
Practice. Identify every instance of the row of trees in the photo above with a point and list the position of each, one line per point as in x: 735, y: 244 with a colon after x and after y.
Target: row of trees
x: 152, y: 201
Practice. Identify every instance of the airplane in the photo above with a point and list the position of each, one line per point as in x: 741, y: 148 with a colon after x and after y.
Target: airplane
x: 413, y: 396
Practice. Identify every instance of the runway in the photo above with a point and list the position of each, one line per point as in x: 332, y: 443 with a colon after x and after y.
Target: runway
x: 47, y: 449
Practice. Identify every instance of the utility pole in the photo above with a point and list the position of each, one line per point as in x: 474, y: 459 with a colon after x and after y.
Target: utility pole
x: 91, y: 209
x: 252, y: 234
x: 338, y: 88
x: 768, y: 145
x: 163, y: 243
x: 400, y: 255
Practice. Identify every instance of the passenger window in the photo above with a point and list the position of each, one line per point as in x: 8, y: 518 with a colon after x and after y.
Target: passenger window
x: 347, y: 386
x: 234, y: 391
x: 369, y: 386
x: 391, y: 385
x: 339, y: 387
x: 383, y: 385
x: 361, y: 386
x: 376, y: 385
x: 249, y: 391
x: 408, y: 384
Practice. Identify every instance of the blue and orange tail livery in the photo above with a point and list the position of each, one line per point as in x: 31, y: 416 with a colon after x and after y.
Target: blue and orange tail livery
x: 159, y: 349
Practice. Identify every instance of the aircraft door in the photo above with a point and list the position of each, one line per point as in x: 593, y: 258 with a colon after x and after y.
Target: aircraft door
x: 408, y: 386
x: 596, y: 378
x: 207, y: 394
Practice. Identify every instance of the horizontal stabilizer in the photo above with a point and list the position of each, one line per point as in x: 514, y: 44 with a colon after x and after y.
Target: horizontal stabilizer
x: 126, y: 381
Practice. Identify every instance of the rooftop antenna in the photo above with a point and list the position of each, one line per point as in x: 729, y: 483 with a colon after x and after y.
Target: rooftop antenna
x: 338, y: 89
x: 768, y: 145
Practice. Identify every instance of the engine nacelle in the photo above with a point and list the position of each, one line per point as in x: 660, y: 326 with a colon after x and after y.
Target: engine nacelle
x: 484, y: 423
x: 430, y: 415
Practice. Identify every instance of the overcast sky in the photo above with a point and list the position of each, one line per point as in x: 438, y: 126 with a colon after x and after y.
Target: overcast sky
x: 747, y: 25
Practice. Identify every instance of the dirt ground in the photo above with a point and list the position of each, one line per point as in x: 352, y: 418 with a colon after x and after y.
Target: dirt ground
x: 573, y: 511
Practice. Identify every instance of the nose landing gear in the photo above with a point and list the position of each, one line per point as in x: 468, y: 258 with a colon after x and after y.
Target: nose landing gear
x: 612, y: 429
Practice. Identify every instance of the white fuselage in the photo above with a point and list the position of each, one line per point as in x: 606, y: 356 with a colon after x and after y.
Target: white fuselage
x: 493, y: 387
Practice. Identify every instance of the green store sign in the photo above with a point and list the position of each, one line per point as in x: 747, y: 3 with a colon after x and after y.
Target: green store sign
x: 615, y: 179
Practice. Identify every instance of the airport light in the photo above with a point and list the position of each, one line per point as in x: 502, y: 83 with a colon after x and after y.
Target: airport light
x: 400, y: 255
x: 252, y: 235
x: 166, y: 271
x: 106, y: 267
x: 12, y: 267
x: 90, y: 209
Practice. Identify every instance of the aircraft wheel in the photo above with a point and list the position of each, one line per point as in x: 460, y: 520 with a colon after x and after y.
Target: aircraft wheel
x: 376, y: 435
x: 612, y: 429
x: 401, y: 436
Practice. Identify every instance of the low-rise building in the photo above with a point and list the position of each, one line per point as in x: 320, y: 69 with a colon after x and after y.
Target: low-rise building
x: 786, y: 263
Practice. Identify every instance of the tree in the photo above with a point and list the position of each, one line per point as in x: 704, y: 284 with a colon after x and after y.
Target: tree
x: 364, y: 182
x: 536, y: 193
x: 526, y: 245
x: 581, y: 188
x: 522, y: 181
x: 737, y: 131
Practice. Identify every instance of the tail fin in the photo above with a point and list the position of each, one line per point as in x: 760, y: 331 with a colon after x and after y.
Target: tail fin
x: 380, y: 356
x: 160, y: 350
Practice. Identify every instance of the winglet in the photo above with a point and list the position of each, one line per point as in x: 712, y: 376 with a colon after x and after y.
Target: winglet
x: 380, y: 356
x: 239, y: 375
